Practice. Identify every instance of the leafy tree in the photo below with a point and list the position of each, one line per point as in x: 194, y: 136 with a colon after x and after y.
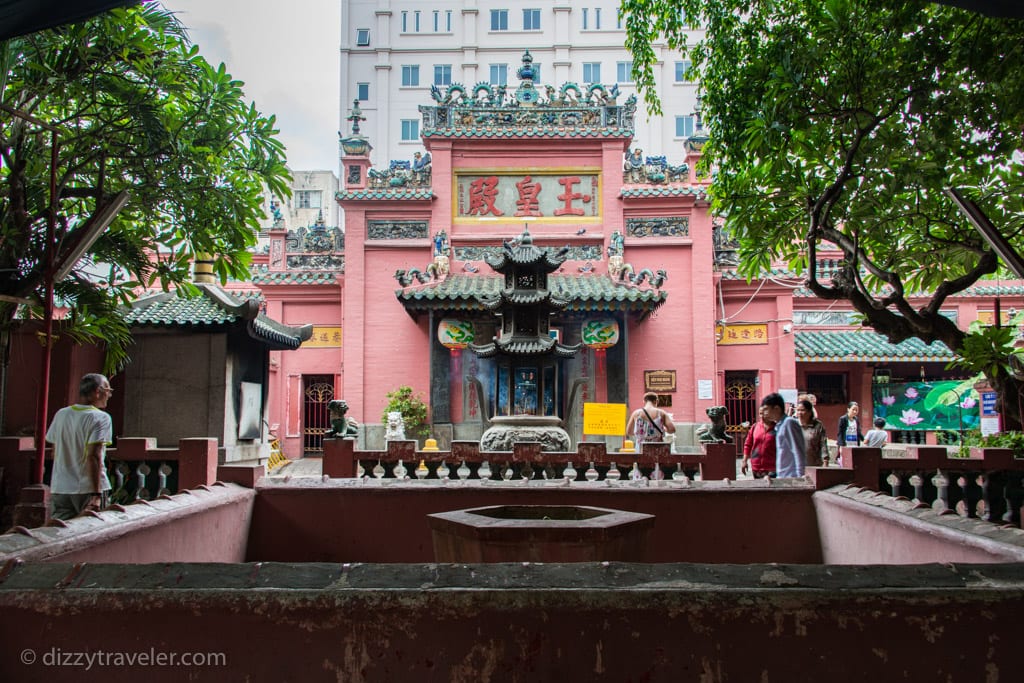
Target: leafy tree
x: 135, y: 107
x: 837, y: 125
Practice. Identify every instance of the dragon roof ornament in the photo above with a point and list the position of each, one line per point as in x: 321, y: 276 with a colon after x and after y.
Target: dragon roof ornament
x: 486, y: 110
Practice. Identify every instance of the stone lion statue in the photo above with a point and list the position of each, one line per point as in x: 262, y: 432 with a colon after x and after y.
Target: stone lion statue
x: 342, y: 426
x: 714, y: 432
x: 395, y: 429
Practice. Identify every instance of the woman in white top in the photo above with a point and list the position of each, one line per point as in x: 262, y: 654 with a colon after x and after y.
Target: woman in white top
x: 649, y: 423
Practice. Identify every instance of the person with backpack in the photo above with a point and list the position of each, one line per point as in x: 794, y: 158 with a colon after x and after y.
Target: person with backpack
x: 649, y: 423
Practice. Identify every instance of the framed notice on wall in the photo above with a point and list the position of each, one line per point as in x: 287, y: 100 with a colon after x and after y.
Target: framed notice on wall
x: 660, y: 381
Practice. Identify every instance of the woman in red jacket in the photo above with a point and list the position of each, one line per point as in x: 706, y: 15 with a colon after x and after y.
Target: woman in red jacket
x: 759, y: 448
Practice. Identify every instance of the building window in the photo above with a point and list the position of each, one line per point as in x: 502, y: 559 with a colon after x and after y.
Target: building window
x: 405, y: 22
x: 618, y: 20
x: 499, y: 19
x: 448, y: 21
x: 410, y: 75
x: 828, y: 388
x: 681, y: 69
x: 362, y: 37
x: 307, y: 199
x: 624, y: 72
x: 499, y: 74
x: 442, y: 74
x: 417, y: 20
x: 531, y: 19
x: 536, y: 72
x: 586, y: 18
x: 684, y: 126
x: 597, y: 18
x: 362, y: 91
x: 591, y: 72
x: 437, y: 21
x: 410, y: 130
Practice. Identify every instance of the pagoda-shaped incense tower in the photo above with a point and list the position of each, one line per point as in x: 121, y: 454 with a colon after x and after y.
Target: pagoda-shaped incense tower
x: 525, y: 305
x: 527, y: 352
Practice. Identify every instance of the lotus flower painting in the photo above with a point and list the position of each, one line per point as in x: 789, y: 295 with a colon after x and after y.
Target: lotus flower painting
x: 911, y: 417
x: 941, y: 405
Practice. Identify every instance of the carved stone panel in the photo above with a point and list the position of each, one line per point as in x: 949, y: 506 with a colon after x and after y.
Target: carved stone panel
x: 674, y: 226
x: 395, y: 230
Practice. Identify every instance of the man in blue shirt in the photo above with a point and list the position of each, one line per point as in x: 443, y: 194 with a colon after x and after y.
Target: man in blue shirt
x: 789, y: 437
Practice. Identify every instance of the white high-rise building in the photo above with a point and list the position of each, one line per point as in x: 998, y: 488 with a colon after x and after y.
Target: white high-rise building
x: 393, y: 51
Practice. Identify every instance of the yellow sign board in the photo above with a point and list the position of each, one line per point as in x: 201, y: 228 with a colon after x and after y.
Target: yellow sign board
x: 604, y: 418
x: 989, y: 317
x: 742, y: 334
x: 324, y: 338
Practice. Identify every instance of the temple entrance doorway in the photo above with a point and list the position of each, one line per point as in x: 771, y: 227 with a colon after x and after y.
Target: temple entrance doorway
x: 741, y: 401
x: 317, y: 392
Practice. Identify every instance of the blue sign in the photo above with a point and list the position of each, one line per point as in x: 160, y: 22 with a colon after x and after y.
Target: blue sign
x: 988, y: 404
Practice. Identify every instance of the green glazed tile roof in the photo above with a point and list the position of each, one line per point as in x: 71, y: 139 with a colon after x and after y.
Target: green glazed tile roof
x: 215, y: 309
x: 584, y: 293
x: 864, y: 346
x: 262, y: 276
x: 528, y: 132
x: 390, y: 193
x: 662, y: 191
x: 177, y: 311
x: 993, y: 290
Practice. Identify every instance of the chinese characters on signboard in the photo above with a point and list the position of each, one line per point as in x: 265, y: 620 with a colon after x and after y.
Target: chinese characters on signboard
x: 742, y: 334
x: 571, y: 196
x: 323, y: 338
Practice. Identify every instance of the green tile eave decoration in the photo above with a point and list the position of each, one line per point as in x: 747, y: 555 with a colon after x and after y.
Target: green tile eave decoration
x: 820, y: 346
x: 585, y: 292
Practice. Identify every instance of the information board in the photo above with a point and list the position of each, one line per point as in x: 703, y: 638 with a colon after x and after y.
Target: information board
x: 604, y: 418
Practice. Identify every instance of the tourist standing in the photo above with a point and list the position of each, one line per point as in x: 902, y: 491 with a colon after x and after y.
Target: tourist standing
x: 877, y: 437
x: 815, y: 439
x: 849, y: 427
x: 789, y: 438
x: 759, y: 447
x: 649, y: 423
x: 80, y: 434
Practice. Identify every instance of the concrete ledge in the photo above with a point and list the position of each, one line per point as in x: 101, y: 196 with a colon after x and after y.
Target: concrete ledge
x: 858, y: 525
x: 171, y: 527
x: 522, y: 621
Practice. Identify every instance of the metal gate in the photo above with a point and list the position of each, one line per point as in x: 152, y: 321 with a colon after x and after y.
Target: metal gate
x: 318, y: 391
x: 741, y: 401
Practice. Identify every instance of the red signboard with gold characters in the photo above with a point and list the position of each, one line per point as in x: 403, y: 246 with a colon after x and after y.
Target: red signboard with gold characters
x: 541, y: 195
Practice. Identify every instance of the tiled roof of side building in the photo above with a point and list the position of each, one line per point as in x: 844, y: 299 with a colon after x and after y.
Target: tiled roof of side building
x: 215, y: 308
x: 819, y: 346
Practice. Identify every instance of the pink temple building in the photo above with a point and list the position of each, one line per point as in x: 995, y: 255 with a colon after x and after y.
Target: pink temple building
x: 643, y: 261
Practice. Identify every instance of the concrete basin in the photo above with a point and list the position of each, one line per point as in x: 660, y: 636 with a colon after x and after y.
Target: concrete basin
x: 540, y: 533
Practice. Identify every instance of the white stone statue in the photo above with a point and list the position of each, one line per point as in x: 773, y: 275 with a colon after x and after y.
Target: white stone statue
x: 395, y: 430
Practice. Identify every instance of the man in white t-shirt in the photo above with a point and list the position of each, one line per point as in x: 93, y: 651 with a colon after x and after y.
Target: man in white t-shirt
x: 80, y: 434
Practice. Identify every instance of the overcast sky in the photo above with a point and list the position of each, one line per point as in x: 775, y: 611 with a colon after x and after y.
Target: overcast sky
x: 287, y: 55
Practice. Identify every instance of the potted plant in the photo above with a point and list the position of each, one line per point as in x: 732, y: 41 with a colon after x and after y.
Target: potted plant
x: 415, y: 413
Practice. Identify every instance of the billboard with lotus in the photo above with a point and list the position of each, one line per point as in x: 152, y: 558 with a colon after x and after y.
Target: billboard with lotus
x: 950, y: 405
